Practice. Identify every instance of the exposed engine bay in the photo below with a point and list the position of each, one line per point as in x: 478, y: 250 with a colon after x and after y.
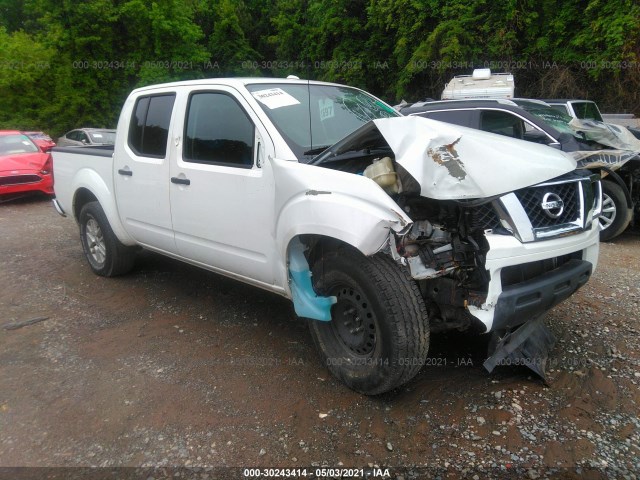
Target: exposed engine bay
x: 445, y: 246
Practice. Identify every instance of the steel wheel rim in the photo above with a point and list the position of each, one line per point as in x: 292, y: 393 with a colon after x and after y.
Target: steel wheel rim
x: 608, y: 214
x: 354, y: 322
x: 95, y: 241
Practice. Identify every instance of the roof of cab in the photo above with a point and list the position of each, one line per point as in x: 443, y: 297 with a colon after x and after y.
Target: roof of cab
x: 233, y: 82
x: 565, y: 100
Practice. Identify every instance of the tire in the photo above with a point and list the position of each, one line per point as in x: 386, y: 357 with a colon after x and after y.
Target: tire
x: 107, y: 257
x: 615, y: 215
x: 378, y: 337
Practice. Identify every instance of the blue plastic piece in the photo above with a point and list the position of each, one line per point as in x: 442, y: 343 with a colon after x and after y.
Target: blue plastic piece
x: 305, y: 301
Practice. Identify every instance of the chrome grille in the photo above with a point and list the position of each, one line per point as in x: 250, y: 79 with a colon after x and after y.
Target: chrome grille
x: 522, y: 212
x: 532, y: 200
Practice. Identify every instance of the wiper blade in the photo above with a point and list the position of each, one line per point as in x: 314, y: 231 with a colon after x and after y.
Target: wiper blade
x: 351, y: 153
x: 317, y: 150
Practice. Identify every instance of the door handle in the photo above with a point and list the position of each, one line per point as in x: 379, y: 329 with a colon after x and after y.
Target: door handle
x: 180, y: 181
x: 126, y: 172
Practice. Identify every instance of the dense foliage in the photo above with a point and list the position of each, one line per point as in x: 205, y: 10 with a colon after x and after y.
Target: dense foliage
x: 67, y: 64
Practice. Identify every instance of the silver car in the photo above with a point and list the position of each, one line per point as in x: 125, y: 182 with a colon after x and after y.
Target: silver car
x: 87, y: 136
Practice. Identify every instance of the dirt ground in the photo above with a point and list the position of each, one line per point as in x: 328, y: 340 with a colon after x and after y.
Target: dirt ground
x: 172, y: 366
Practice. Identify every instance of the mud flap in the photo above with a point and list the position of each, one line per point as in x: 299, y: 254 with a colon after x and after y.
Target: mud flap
x: 528, y: 345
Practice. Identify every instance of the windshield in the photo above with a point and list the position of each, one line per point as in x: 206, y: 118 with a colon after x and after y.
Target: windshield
x: 313, y: 117
x: 586, y: 111
x: 551, y: 116
x: 12, y: 144
x: 103, y: 137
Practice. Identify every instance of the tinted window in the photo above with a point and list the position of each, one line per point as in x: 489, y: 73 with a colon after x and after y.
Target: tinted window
x: 502, y: 123
x: 457, y: 117
x: 73, y: 135
x: 218, y: 131
x: 149, y: 128
x: 136, y: 126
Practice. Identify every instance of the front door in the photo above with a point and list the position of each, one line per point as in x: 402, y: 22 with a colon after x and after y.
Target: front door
x: 222, y: 189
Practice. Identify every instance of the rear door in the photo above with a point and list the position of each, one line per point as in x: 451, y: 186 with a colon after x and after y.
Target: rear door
x: 141, y: 164
x: 222, y: 190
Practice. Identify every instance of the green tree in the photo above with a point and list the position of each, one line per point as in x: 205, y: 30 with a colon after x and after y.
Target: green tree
x: 24, y: 79
x: 228, y: 46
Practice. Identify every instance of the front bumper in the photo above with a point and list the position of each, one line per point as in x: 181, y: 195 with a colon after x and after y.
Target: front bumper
x: 532, y: 298
x: 510, y: 305
x: 26, y: 181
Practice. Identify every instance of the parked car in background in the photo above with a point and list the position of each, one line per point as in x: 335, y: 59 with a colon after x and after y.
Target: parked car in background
x: 42, y: 140
x: 588, y: 110
x: 24, y: 167
x: 87, y: 136
x: 580, y: 109
x: 539, y: 122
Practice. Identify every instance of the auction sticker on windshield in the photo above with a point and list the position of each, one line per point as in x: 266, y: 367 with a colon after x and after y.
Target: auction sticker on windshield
x: 275, y: 98
x: 326, y: 108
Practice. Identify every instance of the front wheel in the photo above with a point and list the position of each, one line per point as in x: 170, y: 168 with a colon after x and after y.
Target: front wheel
x: 106, y: 255
x: 615, y: 215
x: 378, y: 336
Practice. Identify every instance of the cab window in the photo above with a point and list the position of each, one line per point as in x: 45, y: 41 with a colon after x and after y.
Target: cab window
x: 218, y: 131
x: 149, y: 126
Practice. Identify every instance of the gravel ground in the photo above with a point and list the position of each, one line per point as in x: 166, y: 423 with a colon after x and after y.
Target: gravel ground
x: 172, y: 366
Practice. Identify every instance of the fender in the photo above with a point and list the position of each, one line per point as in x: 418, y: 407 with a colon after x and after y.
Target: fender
x: 89, y: 179
x: 352, y: 220
x: 315, y: 200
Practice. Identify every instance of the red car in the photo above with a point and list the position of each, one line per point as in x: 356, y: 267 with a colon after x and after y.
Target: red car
x: 23, y: 166
x: 42, y: 140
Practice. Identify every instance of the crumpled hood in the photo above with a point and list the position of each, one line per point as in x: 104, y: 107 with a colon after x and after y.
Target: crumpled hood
x: 23, y: 161
x: 452, y: 162
x: 614, y: 136
x: 624, y: 145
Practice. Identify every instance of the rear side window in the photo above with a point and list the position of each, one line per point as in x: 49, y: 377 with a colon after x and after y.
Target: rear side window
x: 218, y: 131
x: 149, y: 127
x: 457, y: 117
x: 502, y: 123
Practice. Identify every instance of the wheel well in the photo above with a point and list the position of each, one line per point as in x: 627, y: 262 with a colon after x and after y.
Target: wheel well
x: 81, y: 198
x: 319, y: 245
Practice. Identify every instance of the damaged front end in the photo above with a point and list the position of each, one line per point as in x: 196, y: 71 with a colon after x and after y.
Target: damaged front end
x: 502, y: 230
x: 445, y: 251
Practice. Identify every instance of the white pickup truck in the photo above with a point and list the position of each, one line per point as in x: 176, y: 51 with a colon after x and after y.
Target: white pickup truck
x: 380, y: 228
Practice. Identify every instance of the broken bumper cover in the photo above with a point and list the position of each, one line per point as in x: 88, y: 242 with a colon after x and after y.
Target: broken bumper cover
x: 531, y: 298
x: 511, y: 305
x: 528, y: 346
